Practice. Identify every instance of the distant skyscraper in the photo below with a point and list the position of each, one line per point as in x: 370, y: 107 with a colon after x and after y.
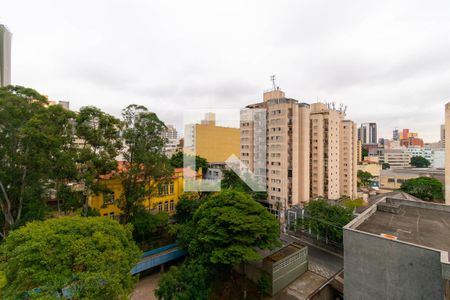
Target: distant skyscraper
x: 5, y: 56
x: 171, y: 135
x: 367, y: 133
x: 395, y: 135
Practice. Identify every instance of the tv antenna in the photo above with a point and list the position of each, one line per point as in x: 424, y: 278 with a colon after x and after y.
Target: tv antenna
x: 272, y: 78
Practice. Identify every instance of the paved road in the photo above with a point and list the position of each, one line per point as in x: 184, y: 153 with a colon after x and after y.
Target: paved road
x: 321, y: 261
x: 146, y: 286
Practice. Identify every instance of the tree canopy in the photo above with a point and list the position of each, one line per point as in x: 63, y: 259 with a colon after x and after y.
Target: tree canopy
x: 232, y: 181
x: 326, y: 219
x: 364, y: 178
x: 425, y: 188
x: 228, y: 226
x: 90, y: 258
x: 189, y: 281
x: 224, y: 231
x: 186, y: 207
x: 419, y: 162
x: 99, y: 144
x: 36, y: 154
x: 145, y: 163
x: 385, y: 166
x: 177, y: 161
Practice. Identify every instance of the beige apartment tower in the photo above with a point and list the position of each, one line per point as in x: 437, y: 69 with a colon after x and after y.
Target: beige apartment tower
x: 310, y: 150
x: 279, y: 148
x: 447, y: 154
x: 334, y: 153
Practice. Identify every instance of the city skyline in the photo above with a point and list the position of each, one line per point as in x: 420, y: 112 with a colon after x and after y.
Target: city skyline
x: 383, y: 73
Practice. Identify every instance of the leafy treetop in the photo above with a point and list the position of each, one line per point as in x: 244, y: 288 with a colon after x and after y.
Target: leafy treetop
x: 228, y: 226
x: 425, y: 188
x: 92, y: 257
x: 419, y: 162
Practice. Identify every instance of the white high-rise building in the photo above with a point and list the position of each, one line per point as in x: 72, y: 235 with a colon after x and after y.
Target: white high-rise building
x: 5, y: 56
x: 367, y: 134
x: 171, y: 135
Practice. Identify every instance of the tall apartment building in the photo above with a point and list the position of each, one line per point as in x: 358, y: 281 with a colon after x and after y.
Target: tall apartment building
x: 171, y: 135
x: 395, y: 135
x: 447, y: 154
x: 367, y: 133
x: 309, y: 149
x: 333, y: 159
x: 5, y: 56
x: 285, y: 144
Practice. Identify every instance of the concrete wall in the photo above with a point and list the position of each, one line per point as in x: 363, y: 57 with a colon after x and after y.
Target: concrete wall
x: 378, y: 268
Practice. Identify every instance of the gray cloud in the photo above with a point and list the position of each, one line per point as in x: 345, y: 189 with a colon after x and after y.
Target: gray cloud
x: 389, y: 61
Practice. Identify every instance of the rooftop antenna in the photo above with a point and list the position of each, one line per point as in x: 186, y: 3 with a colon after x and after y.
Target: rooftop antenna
x: 272, y: 78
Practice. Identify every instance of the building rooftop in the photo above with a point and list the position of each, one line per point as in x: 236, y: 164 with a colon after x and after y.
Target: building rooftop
x: 283, y: 252
x: 421, y: 223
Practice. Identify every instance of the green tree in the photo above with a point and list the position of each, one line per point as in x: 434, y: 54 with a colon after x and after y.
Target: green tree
x: 189, y: 281
x: 177, y: 161
x: 90, y: 257
x: 232, y: 181
x: 364, y: 178
x: 148, y: 226
x: 229, y: 226
x: 36, y: 154
x: 263, y: 284
x: 385, y: 166
x: 352, y: 204
x: 146, y: 166
x: 364, y: 153
x: 425, y: 188
x: 419, y: 162
x: 98, y: 147
x: 186, y: 207
x: 325, y: 219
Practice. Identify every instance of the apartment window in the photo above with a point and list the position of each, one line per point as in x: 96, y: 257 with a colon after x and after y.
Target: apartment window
x: 391, y: 180
x: 172, y: 205
x: 159, y: 206
x: 166, y: 205
x: 172, y: 188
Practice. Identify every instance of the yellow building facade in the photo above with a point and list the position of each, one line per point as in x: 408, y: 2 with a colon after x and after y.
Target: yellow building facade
x: 164, y: 199
x: 215, y: 143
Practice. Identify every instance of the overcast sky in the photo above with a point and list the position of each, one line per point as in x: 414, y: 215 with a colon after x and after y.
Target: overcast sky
x: 388, y: 61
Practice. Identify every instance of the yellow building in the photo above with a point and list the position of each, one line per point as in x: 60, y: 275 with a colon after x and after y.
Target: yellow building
x: 215, y: 143
x: 372, y: 165
x: 165, y: 197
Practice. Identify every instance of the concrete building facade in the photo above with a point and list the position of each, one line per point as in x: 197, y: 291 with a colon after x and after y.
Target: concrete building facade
x: 447, y: 154
x: 215, y: 143
x: 5, y: 56
x: 398, y: 249
x: 311, y: 150
x: 282, y: 151
x: 171, y: 135
x: 367, y: 133
x: 392, y: 179
x: 334, y: 152
x: 397, y: 158
x: 442, y: 141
